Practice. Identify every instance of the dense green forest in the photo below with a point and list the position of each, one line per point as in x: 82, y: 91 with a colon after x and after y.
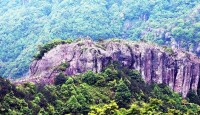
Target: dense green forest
x: 27, y: 24
x: 114, y: 91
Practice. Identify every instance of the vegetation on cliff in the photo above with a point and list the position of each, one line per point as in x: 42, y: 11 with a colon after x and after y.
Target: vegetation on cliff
x: 116, y: 90
x: 47, y: 47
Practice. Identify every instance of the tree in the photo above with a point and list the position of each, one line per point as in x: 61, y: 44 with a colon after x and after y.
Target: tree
x: 68, y: 89
x: 73, y: 106
x: 107, y: 109
x: 193, y: 97
x: 111, y: 74
x: 63, y: 66
x: 151, y: 108
x: 83, y: 102
x: 134, y: 74
x: 5, y: 87
x: 60, y: 79
x: 90, y: 78
x: 122, y: 94
x: 101, y: 81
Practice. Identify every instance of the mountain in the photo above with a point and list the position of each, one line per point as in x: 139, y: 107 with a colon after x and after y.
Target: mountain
x: 27, y: 24
x: 99, y: 57
x: 116, y: 90
x: 173, y: 67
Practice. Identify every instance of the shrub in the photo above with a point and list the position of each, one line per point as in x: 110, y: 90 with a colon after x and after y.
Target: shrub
x: 90, y: 78
x: 134, y: 74
x: 60, y: 79
x: 112, y: 74
x: 193, y: 97
x: 73, y: 106
x: 101, y: 81
x: 123, y: 94
x: 169, y: 50
x: 63, y: 66
x: 107, y: 109
x: 5, y: 87
x: 47, y: 47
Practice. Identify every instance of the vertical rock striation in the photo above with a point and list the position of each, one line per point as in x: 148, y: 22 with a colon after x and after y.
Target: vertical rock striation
x: 178, y: 69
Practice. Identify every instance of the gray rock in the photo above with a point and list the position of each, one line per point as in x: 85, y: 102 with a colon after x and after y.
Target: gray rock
x: 179, y: 70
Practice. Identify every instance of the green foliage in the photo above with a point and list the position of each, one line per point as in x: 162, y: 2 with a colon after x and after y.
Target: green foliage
x: 169, y: 51
x: 153, y: 107
x: 107, y: 109
x: 60, y: 79
x: 125, y: 93
x: 5, y: 87
x: 122, y: 95
x: 38, y: 22
x: 134, y: 74
x: 73, y: 106
x: 63, y: 66
x: 193, y: 97
x: 47, y: 47
x: 101, y: 80
x: 90, y: 78
x: 111, y: 73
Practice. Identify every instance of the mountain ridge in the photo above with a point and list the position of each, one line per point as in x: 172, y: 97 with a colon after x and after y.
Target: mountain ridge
x: 178, y: 69
x: 26, y: 24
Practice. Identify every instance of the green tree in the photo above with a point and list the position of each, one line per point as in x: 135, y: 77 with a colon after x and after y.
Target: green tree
x: 89, y: 77
x: 111, y: 74
x: 60, y: 79
x: 73, y: 106
x: 193, y: 97
x: 122, y: 94
x: 107, y: 109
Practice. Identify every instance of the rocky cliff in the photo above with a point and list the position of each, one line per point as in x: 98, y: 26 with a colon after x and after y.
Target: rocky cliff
x: 179, y: 69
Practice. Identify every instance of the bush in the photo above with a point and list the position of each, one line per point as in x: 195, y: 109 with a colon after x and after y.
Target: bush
x: 112, y: 74
x: 73, y: 106
x: 101, y: 81
x: 169, y: 50
x: 47, y: 47
x: 134, y: 74
x: 5, y: 87
x: 60, y: 79
x: 193, y: 97
x: 89, y: 78
x: 123, y: 94
x: 63, y: 66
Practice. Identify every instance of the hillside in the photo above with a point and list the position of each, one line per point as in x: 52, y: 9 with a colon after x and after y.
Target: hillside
x: 27, y: 24
x: 99, y: 57
x: 173, y: 67
x: 116, y: 90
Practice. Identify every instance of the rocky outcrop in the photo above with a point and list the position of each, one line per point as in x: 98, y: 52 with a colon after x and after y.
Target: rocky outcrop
x: 178, y: 69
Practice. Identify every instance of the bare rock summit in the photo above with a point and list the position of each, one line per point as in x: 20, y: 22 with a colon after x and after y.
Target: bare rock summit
x: 178, y: 69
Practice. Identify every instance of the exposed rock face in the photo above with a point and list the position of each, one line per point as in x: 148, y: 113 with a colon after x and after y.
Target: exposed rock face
x: 180, y: 70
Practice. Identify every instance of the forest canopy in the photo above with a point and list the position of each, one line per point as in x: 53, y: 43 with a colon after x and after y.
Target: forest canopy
x: 115, y: 91
x: 27, y: 24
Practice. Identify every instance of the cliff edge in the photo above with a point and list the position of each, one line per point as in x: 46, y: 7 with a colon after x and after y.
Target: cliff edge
x: 178, y: 69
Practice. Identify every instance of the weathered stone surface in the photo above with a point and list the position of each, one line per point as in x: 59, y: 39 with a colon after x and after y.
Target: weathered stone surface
x: 180, y: 70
